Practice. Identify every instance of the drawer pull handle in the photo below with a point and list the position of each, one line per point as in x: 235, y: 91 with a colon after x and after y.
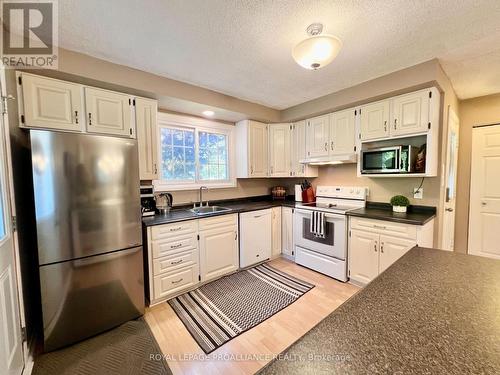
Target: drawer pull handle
x: 177, y: 281
x: 380, y: 226
x: 177, y: 261
x: 175, y: 229
x: 176, y: 246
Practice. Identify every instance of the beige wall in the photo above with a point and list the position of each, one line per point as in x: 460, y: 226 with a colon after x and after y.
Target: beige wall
x: 245, y: 188
x: 478, y: 111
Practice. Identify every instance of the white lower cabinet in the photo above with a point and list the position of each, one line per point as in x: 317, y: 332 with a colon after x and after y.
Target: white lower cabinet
x: 276, y: 231
x: 218, y: 246
x: 287, y: 232
x: 374, y: 245
x: 255, y: 237
x: 363, y: 256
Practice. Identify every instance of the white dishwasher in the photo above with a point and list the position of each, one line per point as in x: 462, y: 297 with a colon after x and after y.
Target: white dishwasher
x: 255, y: 237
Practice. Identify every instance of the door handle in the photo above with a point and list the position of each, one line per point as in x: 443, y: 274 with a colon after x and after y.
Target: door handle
x: 449, y: 209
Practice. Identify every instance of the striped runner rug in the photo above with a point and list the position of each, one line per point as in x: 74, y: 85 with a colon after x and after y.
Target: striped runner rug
x: 225, y: 308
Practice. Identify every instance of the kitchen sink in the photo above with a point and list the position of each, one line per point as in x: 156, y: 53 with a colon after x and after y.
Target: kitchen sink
x: 206, y: 210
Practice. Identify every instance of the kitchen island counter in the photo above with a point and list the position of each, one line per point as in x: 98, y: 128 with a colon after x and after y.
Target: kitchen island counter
x: 431, y: 312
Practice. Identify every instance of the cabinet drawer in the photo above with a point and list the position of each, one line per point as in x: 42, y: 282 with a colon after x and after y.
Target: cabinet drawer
x: 173, y: 230
x: 174, y: 261
x: 223, y: 221
x: 384, y: 227
x: 173, y: 245
x: 170, y: 283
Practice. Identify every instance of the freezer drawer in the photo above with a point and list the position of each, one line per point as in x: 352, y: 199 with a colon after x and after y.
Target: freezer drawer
x: 84, y: 297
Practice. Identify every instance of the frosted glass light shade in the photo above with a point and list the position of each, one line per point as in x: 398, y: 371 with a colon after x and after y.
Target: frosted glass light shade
x: 317, y: 51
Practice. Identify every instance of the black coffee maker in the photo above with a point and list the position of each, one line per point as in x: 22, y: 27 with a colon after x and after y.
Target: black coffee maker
x: 148, y: 203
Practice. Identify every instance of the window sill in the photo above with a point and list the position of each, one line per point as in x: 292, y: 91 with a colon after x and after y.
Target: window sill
x: 161, y: 186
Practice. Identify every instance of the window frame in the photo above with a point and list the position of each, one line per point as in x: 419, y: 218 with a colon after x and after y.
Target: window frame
x: 174, y: 121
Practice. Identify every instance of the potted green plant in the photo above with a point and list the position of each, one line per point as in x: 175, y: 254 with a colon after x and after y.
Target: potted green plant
x: 399, y: 203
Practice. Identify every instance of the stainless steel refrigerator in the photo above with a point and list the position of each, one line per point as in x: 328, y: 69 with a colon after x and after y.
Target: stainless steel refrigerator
x: 88, y: 221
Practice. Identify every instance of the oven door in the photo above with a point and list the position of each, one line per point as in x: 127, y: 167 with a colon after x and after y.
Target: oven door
x: 383, y: 160
x: 334, y: 243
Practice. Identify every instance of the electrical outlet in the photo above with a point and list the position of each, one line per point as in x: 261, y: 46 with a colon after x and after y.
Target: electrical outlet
x: 418, y: 193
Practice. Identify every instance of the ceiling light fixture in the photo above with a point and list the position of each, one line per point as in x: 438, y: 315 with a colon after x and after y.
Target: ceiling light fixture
x: 318, y: 50
x: 208, y: 113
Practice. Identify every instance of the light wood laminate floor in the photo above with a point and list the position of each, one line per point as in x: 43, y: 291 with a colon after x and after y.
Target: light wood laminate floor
x: 252, y: 350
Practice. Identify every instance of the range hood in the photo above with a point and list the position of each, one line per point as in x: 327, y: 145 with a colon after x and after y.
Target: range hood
x: 331, y: 159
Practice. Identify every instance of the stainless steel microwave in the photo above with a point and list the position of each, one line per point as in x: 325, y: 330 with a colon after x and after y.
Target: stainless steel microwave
x: 393, y: 159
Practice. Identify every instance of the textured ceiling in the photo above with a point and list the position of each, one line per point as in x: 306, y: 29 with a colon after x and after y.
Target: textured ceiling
x: 243, y: 48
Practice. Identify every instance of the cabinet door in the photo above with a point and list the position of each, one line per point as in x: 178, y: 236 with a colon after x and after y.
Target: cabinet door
x: 255, y: 233
x: 375, y: 120
x: 147, y: 128
x: 298, y: 149
x: 258, y: 157
x: 410, y: 113
x: 391, y: 249
x: 287, y: 231
x: 51, y: 103
x: 108, y: 112
x: 363, y: 256
x: 342, y: 132
x: 317, y: 136
x: 218, y: 252
x: 279, y: 150
x: 276, y: 231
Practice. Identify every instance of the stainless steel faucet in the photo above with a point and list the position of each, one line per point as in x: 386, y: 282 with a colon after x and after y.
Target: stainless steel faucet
x: 201, y: 195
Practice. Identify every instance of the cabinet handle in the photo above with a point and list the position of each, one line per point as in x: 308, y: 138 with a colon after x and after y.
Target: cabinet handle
x: 177, y: 281
x: 382, y: 247
x: 375, y: 246
x: 326, y: 146
x: 176, y: 246
x: 156, y: 169
x: 76, y: 117
x: 303, y: 167
x: 175, y: 229
x: 385, y: 125
x: 251, y: 169
x: 90, y: 118
x: 235, y: 235
x: 395, y: 123
x: 331, y: 145
x: 272, y: 170
x: 177, y: 262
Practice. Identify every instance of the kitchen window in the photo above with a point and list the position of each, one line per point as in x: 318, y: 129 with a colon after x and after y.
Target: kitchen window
x: 194, y: 153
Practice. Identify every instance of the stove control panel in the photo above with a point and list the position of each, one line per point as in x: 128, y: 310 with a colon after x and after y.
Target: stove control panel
x: 346, y: 192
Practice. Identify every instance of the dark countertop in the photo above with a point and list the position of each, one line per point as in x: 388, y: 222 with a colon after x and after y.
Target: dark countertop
x: 416, y: 215
x: 431, y: 312
x: 236, y: 206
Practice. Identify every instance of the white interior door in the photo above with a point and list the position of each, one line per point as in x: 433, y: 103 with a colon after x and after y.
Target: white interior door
x: 448, y: 238
x: 11, y: 350
x: 484, y: 217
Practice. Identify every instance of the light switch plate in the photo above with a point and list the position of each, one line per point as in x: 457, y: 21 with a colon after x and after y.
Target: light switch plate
x: 418, y: 193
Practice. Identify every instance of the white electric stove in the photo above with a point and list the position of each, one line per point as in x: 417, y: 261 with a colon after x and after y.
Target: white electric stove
x: 327, y: 254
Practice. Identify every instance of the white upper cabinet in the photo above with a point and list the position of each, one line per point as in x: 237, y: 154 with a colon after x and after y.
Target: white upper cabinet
x: 342, y: 132
x: 410, y: 113
x: 298, y: 152
x: 146, y: 111
x: 109, y: 112
x: 375, y: 119
x: 252, y: 149
x: 318, y: 137
x: 279, y: 150
x: 50, y: 103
